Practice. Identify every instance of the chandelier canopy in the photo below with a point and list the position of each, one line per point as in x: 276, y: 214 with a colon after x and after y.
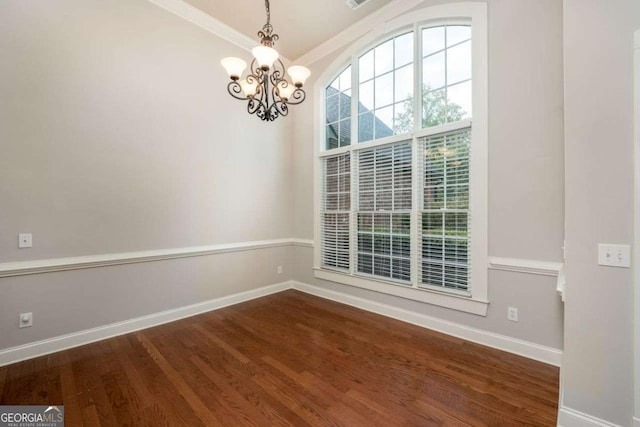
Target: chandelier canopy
x: 265, y: 87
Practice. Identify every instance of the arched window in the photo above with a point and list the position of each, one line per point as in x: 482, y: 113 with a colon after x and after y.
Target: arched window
x: 402, y: 165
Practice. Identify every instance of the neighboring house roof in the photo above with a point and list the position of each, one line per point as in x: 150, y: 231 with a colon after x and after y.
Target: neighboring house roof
x: 366, y: 130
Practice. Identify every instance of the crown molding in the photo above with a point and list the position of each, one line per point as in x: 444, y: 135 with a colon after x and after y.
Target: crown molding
x: 208, y: 23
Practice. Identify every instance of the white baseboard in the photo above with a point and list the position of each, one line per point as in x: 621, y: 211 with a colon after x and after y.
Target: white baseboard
x: 501, y: 342
x: 527, y: 349
x: 568, y: 417
x: 63, y: 342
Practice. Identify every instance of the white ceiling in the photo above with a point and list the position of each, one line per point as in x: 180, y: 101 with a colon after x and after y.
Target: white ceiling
x: 301, y: 24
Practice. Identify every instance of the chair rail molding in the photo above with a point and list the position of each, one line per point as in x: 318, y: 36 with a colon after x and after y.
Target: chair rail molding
x: 20, y: 268
x: 530, y: 266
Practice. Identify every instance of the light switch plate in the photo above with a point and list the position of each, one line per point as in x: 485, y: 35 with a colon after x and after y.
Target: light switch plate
x: 614, y: 255
x: 25, y: 240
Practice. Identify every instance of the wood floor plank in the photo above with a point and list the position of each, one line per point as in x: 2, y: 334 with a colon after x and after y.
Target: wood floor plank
x: 287, y: 359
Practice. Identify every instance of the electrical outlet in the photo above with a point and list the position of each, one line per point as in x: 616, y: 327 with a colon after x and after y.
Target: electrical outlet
x: 279, y: 269
x: 512, y: 314
x: 614, y: 255
x: 25, y: 320
x: 25, y: 240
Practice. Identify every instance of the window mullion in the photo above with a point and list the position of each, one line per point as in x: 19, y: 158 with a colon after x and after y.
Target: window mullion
x: 417, y: 78
x: 352, y: 211
x: 414, y: 233
x: 446, y: 86
x: 355, y: 96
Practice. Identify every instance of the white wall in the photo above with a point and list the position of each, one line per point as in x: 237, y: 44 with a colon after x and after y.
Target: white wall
x: 117, y: 134
x: 598, y: 63
x: 525, y: 173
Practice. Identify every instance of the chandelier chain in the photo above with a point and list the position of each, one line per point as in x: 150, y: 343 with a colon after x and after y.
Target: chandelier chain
x: 266, y: 5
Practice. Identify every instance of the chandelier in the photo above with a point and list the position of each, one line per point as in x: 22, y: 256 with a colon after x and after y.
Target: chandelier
x: 265, y: 88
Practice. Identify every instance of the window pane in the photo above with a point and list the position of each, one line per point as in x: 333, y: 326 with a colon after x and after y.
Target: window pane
x: 455, y: 251
x: 384, y: 122
x: 432, y: 223
x: 457, y: 33
x: 384, y: 58
x: 434, y: 108
x: 335, y: 85
x: 332, y: 136
x: 345, y: 79
x: 365, y: 127
x: 345, y: 105
x: 332, y: 109
x: 456, y: 224
x: 366, y: 97
x: 344, y: 184
x: 366, y: 201
x: 381, y: 244
x: 365, y: 222
x: 331, y: 183
x: 404, y: 83
x: 382, y: 266
x: 331, y: 165
x: 384, y: 90
x: 433, y: 76
x: 365, y: 243
x: 456, y: 277
x: 365, y: 264
x: 459, y: 63
x: 365, y: 66
x: 401, y: 223
x: 403, y: 117
x: 401, y: 269
x: 345, y: 132
x: 403, y: 49
x: 382, y: 223
x: 335, y: 240
x: 457, y: 196
x: 384, y: 200
x: 460, y: 101
x: 344, y: 166
x: 432, y: 248
x: 432, y: 40
x: 344, y: 201
x: 400, y: 246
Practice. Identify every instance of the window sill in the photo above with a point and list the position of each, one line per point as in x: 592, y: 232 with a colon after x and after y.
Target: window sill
x: 454, y: 302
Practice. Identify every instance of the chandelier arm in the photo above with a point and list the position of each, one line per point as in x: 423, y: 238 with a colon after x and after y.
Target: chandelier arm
x: 297, y: 97
x: 235, y: 90
x: 280, y: 107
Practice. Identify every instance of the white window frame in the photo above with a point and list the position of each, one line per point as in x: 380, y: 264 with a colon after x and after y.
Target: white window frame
x: 475, y: 13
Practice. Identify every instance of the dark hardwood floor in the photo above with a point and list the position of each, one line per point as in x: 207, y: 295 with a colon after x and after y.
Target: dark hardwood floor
x: 287, y: 359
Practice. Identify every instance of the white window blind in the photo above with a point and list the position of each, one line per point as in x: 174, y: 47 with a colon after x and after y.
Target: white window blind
x: 336, y: 208
x: 384, y: 212
x: 445, y: 212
